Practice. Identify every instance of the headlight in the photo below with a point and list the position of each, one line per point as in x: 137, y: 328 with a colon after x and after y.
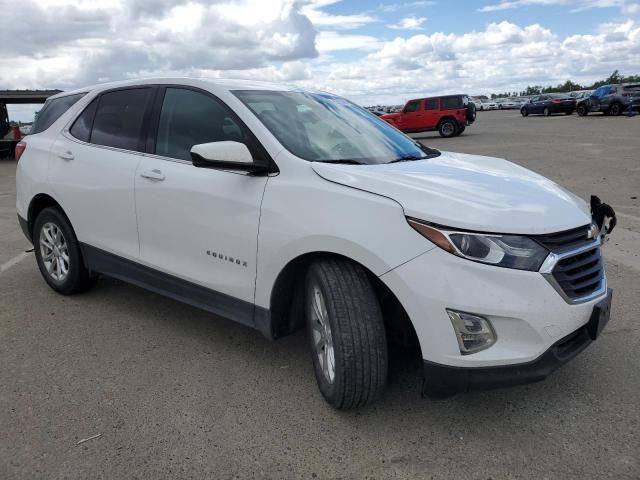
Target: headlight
x: 509, y: 251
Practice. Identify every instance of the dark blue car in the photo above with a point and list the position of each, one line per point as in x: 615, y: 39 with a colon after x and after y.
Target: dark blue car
x: 548, y: 104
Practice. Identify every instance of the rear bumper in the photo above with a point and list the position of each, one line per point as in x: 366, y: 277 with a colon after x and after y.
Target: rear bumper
x: 442, y: 381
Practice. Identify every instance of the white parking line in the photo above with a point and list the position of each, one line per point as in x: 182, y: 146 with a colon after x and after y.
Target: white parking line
x: 15, y: 260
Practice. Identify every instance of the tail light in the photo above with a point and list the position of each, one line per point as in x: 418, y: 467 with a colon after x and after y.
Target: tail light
x: 20, y: 148
x: 557, y: 101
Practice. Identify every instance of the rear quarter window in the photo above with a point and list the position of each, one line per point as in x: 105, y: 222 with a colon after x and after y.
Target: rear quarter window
x: 52, y: 110
x: 451, y: 103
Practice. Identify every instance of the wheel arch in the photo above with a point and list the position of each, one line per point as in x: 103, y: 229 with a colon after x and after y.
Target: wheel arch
x: 447, y: 117
x: 38, y: 203
x: 287, y: 295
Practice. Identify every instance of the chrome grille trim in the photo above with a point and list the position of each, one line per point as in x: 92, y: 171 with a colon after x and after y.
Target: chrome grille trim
x: 552, y: 268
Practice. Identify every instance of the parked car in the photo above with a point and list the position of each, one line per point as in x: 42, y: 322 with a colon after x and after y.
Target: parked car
x: 283, y: 209
x: 579, y: 95
x: 549, y: 104
x: 611, y: 100
x: 487, y: 105
x: 449, y: 115
x: 507, y: 104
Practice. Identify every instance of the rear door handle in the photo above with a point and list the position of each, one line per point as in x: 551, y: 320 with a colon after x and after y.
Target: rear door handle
x: 66, y: 155
x: 154, y: 174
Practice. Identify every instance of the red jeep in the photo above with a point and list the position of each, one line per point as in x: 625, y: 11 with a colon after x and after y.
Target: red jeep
x: 449, y: 115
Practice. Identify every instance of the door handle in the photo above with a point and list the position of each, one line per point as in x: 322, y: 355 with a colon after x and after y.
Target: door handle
x: 66, y: 155
x: 154, y: 174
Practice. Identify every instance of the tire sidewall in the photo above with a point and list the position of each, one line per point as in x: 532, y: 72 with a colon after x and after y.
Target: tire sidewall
x: 615, y: 109
x: 441, y: 126
x: 76, y: 264
x: 524, y: 112
x: 328, y: 390
x: 546, y: 112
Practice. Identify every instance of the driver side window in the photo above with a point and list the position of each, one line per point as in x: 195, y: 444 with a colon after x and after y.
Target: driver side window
x: 189, y: 118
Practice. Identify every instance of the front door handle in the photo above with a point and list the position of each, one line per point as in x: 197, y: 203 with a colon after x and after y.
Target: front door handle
x: 154, y: 174
x: 66, y: 155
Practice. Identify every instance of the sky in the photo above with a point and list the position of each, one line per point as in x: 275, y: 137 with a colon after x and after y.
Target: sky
x: 372, y: 52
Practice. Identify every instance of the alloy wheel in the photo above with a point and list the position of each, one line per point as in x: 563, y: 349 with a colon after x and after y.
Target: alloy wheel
x: 54, y: 251
x: 322, y: 336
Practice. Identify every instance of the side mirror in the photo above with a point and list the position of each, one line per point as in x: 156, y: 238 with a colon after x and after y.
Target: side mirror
x: 225, y: 155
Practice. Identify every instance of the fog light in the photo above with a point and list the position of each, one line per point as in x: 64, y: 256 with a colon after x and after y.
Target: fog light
x: 474, y: 333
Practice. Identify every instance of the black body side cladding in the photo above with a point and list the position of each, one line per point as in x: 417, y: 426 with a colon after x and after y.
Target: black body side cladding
x: 240, y: 311
x: 24, y: 225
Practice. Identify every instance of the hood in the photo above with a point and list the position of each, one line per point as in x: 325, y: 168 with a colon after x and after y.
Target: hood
x: 390, y: 116
x: 468, y: 192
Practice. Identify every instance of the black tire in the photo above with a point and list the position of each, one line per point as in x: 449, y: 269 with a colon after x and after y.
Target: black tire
x: 77, y: 279
x: 447, y: 128
x: 546, y: 112
x: 357, y: 335
x: 524, y: 112
x: 615, y: 109
x: 582, y: 110
x: 461, y: 130
x: 471, y: 113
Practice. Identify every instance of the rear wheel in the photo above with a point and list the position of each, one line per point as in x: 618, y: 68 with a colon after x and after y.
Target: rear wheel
x: 582, y: 110
x: 447, y: 128
x: 615, y: 109
x: 546, y: 112
x: 461, y: 130
x: 346, y: 332
x: 58, y: 253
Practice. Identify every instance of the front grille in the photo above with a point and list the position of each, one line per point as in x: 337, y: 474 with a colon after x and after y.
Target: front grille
x: 581, y: 274
x: 565, y: 240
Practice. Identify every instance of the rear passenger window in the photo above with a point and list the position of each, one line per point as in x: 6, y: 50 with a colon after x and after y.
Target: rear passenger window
x: 431, y: 104
x: 450, y: 103
x: 81, y: 128
x: 119, y: 117
x: 189, y: 118
x: 52, y: 110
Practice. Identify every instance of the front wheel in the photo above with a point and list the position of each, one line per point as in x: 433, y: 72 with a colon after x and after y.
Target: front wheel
x: 524, y: 112
x: 447, y: 128
x: 58, y: 253
x: 546, y: 112
x: 346, y: 332
x: 582, y: 110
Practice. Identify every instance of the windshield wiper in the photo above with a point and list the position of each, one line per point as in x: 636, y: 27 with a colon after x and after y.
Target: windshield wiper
x: 347, y: 161
x: 407, y: 158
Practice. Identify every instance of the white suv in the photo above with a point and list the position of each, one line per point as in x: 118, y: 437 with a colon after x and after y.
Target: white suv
x: 281, y: 208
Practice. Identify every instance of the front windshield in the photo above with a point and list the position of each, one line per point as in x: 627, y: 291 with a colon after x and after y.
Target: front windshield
x: 326, y: 128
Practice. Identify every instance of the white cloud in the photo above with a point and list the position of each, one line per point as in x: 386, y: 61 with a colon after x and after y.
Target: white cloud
x: 70, y: 44
x: 579, y: 4
x: 330, y: 41
x: 312, y: 9
x: 393, y: 7
x: 409, y: 23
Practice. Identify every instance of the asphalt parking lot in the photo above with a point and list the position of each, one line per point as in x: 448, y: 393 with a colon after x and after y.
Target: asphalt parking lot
x: 177, y: 393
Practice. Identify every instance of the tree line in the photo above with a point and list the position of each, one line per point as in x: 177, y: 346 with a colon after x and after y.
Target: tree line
x: 570, y: 86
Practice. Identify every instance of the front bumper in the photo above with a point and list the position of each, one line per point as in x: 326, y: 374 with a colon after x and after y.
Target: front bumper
x: 528, y: 315
x: 441, y: 381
